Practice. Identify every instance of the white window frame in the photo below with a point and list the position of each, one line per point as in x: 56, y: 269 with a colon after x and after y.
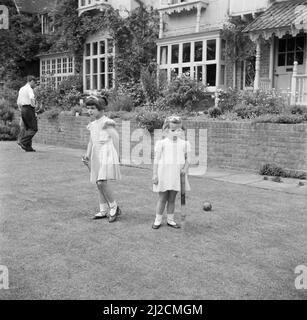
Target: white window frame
x: 106, y: 56
x: 55, y: 73
x: 194, y: 64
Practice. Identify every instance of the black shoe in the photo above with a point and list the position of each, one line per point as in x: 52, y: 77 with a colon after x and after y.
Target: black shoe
x: 30, y: 150
x: 22, y: 146
x: 175, y: 226
x: 156, y: 227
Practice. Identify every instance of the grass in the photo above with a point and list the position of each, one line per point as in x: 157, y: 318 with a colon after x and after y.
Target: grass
x: 247, y: 247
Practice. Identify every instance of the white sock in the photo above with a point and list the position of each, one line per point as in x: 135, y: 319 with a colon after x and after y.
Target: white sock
x: 113, y: 208
x: 113, y: 204
x: 170, y: 219
x: 158, y: 220
x: 103, y: 207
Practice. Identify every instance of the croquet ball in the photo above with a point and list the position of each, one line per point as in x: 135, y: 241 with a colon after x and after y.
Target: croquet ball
x: 207, y: 206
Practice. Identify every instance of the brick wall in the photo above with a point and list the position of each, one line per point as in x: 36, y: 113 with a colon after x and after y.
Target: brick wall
x: 237, y: 145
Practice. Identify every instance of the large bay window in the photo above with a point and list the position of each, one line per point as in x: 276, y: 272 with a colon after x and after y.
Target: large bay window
x: 203, y: 60
x: 99, y: 65
x: 53, y: 70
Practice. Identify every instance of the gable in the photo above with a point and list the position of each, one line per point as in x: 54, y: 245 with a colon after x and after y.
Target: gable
x: 36, y: 6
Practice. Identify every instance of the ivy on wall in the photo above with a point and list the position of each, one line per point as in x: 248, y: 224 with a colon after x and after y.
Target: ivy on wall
x: 134, y: 36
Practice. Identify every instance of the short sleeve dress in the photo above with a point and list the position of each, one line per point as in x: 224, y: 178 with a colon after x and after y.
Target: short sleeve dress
x: 170, y: 157
x: 104, y: 161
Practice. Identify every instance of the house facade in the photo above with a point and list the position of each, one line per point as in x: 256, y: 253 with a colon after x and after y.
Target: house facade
x: 191, y: 42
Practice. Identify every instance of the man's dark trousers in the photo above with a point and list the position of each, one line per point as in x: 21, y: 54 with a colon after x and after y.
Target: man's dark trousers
x: 30, y: 125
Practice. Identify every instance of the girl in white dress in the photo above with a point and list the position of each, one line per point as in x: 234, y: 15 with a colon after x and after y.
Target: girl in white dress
x: 172, y: 157
x: 102, y: 157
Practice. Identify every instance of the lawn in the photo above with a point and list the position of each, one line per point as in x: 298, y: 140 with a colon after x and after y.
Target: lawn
x: 246, y: 248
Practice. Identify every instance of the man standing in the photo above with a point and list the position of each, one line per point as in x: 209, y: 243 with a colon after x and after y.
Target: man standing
x: 26, y: 103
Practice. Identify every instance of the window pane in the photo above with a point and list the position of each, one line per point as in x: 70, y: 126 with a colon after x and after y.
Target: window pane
x: 300, y: 43
x: 110, y: 45
x: 102, y: 47
x: 64, y: 65
x: 186, y: 71
x: 175, y: 53
x: 95, y: 80
x: 222, y: 80
x: 282, y: 45
x: 88, y: 67
x: 87, y: 82
x: 88, y: 49
x: 102, y: 65
x: 174, y: 73
x: 95, y: 48
x: 186, y: 52
x: 211, y: 49
x: 211, y: 75
x: 110, y: 65
x: 59, y: 65
x: 95, y: 66
x: 290, y: 59
x: 163, y: 55
x: 110, y: 80
x: 199, y: 73
x: 300, y: 57
x: 103, y: 81
x: 291, y: 44
x: 198, y: 51
x: 281, y: 59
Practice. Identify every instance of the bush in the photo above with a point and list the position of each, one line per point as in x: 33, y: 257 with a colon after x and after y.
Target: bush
x: 227, y: 99
x: 273, y: 170
x: 71, y: 82
x: 69, y: 99
x: 150, y: 120
x: 298, y: 110
x: 214, y: 112
x: 282, y: 118
x: 7, y: 113
x: 9, y: 95
x: 184, y: 93
x: 134, y: 90
x: 9, y: 132
x: 46, y: 96
x: 52, y: 114
x: 121, y: 103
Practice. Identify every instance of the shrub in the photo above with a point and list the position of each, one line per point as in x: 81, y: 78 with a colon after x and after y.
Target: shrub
x: 282, y: 118
x: 46, y: 96
x: 9, y: 95
x: 121, y: 103
x: 150, y: 120
x: 9, y: 132
x: 271, y: 170
x: 76, y: 109
x: 69, y: 99
x: 71, y: 82
x: 7, y: 113
x: 214, y: 112
x: 276, y: 171
x: 52, y: 114
x: 227, y: 99
x: 184, y: 93
x: 134, y: 90
x: 298, y: 110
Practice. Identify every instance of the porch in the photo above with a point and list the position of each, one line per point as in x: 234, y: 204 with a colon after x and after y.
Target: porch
x: 283, y: 26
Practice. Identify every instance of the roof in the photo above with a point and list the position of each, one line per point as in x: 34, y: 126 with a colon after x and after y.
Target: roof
x: 36, y: 6
x: 278, y: 15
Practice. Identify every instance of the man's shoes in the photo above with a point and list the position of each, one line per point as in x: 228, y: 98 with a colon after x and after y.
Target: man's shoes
x: 100, y: 215
x: 30, y: 150
x: 22, y: 146
x: 156, y: 226
x: 175, y: 225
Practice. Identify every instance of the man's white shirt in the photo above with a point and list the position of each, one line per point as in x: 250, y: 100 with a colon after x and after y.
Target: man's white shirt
x: 26, y: 96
